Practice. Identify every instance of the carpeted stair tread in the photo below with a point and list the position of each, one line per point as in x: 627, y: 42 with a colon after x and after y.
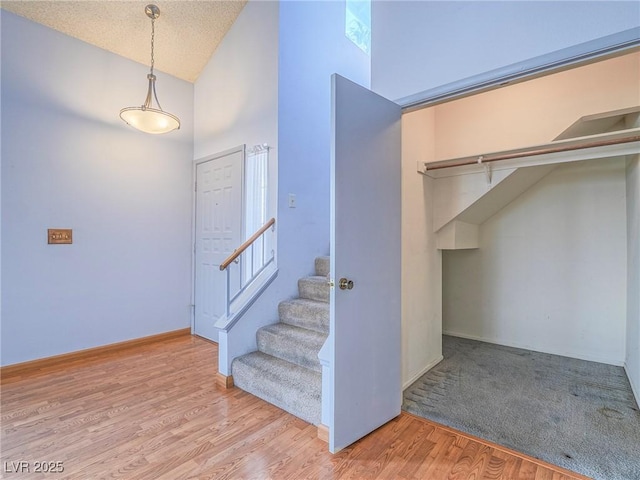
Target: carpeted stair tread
x: 293, y: 344
x: 314, y: 288
x: 285, y: 371
x: 322, y: 266
x: 301, y: 312
x: 291, y: 387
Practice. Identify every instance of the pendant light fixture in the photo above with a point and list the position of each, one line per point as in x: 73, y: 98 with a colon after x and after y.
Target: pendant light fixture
x: 146, y: 118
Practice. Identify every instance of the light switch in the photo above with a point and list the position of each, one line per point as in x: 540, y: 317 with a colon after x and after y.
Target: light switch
x: 292, y: 200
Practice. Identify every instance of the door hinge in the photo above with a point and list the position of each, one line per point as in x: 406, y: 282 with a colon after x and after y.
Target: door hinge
x: 195, y: 187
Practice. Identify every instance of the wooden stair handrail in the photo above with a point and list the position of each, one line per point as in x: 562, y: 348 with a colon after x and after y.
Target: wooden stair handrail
x: 237, y: 252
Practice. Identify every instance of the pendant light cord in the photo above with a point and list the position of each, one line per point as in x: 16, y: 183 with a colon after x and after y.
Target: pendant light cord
x: 153, y: 36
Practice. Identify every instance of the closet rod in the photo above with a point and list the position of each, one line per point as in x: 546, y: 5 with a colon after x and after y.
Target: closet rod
x: 567, y: 146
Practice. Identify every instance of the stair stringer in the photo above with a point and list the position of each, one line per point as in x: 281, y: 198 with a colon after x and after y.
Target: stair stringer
x: 463, y: 202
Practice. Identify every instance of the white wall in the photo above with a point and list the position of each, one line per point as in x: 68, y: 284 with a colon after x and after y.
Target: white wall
x: 421, y: 260
x: 632, y: 361
x: 536, y: 111
x: 236, y: 101
x: 550, y: 274
x: 421, y: 45
x: 68, y: 161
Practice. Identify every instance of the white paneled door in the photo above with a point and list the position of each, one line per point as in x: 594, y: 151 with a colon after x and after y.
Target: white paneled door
x: 365, y: 379
x: 218, y: 233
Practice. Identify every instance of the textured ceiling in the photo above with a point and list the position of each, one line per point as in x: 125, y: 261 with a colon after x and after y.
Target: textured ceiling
x: 186, y: 33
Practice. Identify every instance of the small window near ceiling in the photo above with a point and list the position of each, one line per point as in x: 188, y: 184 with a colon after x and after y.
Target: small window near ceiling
x: 358, y: 23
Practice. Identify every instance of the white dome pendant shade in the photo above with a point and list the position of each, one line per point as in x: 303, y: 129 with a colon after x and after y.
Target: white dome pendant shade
x: 146, y: 118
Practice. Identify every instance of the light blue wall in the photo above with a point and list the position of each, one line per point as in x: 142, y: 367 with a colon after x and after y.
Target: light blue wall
x: 68, y: 161
x: 310, y: 45
x: 417, y: 46
x: 138, y: 282
x: 313, y: 46
x: 236, y: 102
x: 236, y: 95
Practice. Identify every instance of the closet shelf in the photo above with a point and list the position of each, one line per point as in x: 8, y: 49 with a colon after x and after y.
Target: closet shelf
x: 615, y: 144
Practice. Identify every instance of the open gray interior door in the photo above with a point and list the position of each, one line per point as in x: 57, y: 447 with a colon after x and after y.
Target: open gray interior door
x: 365, y: 367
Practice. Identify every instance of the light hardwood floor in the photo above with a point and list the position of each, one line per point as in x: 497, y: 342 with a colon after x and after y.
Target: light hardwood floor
x: 155, y: 412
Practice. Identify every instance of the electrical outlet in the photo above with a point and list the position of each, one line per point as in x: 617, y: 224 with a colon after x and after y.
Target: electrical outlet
x: 292, y: 200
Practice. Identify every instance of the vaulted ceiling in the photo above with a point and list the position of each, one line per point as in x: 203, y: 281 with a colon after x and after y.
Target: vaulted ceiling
x: 186, y: 33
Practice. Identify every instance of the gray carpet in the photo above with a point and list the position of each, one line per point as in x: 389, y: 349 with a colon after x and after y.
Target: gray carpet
x: 576, y: 414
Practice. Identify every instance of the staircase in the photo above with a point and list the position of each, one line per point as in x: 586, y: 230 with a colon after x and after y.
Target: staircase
x: 285, y: 371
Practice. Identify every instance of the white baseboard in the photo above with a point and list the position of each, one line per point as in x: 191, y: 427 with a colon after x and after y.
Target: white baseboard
x: 429, y: 366
x: 634, y: 388
x: 589, y: 358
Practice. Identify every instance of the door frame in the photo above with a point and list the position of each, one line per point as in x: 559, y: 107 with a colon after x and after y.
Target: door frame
x: 592, y: 52
x: 239, y: 149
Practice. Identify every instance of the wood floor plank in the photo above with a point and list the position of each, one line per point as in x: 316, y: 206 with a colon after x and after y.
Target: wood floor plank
x: 495, y: 468
x: 472, y: 462
x: 544, y: 474
x: 155, y: 412
x: 511, y: 464
x: 395, y: 458
x: 527, y: 471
